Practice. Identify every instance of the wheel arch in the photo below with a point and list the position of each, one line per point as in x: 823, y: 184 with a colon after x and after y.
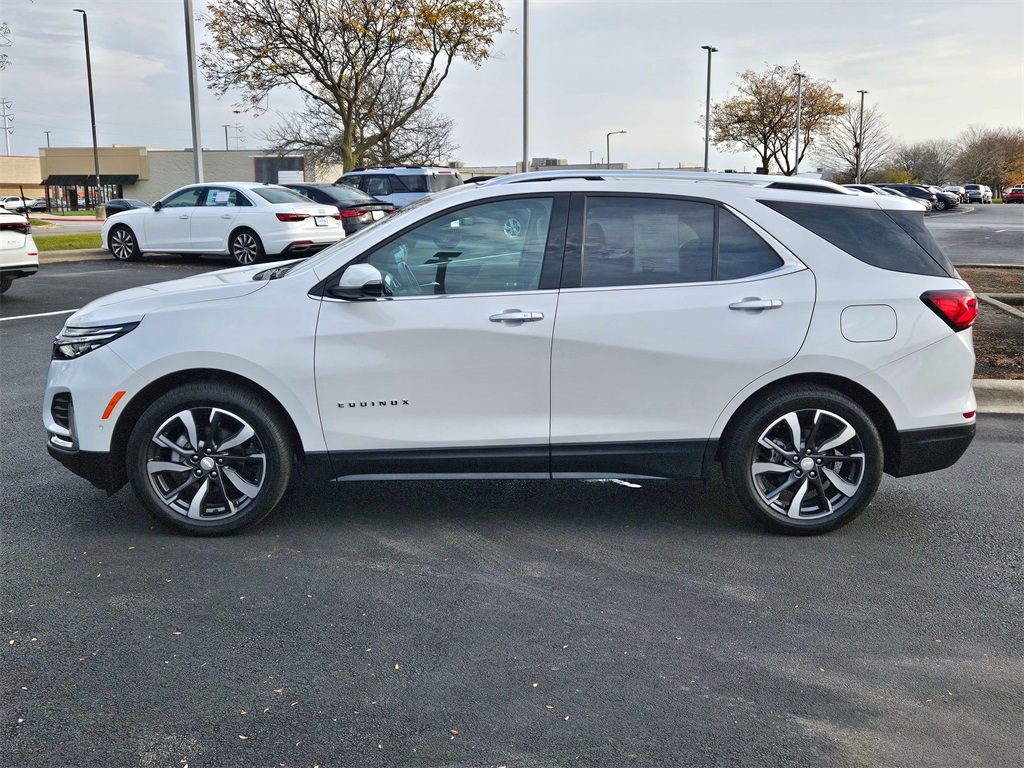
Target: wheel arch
x: 874, y: 408
x: 156, y: 389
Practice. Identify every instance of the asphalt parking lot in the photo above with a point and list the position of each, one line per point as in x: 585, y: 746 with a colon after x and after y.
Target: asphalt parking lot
x: 518, y: 624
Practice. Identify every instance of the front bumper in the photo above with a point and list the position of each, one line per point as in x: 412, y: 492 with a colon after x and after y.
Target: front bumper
x: 94, y: 467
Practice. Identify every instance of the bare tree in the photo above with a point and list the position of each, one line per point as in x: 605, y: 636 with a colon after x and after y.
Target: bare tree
x: 837, y: 147
x: 5, y: 42
x: 762, y: 118
x: 370, y: 66
x: 994, y: 157
x: 928, y: 162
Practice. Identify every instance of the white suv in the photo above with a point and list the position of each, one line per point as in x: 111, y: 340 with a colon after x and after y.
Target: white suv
x: 547, y: 325
x: 401, y: 184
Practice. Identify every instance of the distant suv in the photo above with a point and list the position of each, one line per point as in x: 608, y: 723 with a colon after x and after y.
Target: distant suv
x: 545, y: 325
x: 401, y: 184
x: 978, y: 193
x: 19, y: 256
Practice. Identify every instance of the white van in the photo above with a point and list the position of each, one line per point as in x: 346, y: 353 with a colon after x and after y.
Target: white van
x: 401, y: 184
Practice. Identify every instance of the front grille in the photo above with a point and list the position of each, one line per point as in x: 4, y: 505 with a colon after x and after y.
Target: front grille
x: 60, y: 410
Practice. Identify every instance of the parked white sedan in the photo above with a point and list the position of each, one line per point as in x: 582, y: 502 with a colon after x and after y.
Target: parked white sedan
x: 245, y: 220
x: 19, y: 256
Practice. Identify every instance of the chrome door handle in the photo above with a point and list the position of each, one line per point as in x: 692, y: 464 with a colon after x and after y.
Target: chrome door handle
x: 756, y: 304
x: 516, y: 317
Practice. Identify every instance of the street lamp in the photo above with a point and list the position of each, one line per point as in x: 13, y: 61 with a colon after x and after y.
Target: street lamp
x: 796, y: 160
x: 859, y: 144
x: 526, y: 86
x: 707, y: 113
x: 92, y: 105
x: 608, y: 147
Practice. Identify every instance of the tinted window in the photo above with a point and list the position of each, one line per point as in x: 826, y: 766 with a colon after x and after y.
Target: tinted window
x: 647, y: 241
x: 278, y: 195
x: 876, y: 237
x: 186, y: 198
x: 411, y: 183
x: 741, y: 253
x: 443, y: 181
x: 492, y: 247
x: 376, y: 185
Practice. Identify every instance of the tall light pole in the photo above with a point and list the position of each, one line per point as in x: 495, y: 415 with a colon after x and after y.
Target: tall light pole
x: 707, y: 112
x: 47, y: 137
x: 859, y: 144
x: 92, y: 106
x: 526, y: 85
x: 796, y: 160
x: 193, y: 77
x: 608, y: 146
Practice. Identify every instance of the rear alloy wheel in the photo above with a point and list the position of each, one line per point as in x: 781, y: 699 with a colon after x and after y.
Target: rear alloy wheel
x: 123, y: 245
x: 804, y: 461
x: 209, y: 459
x: 246, y: 247
x: 941, y: 205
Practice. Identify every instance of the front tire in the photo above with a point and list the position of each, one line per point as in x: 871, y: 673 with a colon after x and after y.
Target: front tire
x: 246, y: 248
x: 123, y: 244
x: 805, y: 460
x: 941, y: 205
x: 209, y: 459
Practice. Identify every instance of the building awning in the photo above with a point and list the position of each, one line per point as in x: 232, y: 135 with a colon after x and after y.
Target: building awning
x: 83, y: 180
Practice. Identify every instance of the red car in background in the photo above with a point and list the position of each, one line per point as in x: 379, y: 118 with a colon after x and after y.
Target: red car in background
x: 1014, y: 194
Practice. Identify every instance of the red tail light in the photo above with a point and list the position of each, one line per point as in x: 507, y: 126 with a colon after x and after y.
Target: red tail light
x: 957, y: 308
x: 349, y: 213
x: 19, y: 226
x: 291, y: 216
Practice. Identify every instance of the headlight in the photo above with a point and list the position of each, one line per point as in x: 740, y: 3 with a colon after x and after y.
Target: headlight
x: 75, y: 342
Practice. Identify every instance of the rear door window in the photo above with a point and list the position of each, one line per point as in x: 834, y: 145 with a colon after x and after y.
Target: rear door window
x: 661, y: 241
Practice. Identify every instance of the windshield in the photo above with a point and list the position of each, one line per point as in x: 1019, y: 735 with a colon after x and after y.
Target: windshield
x: 354, y: 241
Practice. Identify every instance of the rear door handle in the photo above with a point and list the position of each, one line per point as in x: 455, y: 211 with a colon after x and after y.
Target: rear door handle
x: 516, y: 317
x: 756, y: 304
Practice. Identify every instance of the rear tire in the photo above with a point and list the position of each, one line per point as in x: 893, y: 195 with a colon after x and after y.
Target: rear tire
x: 209, y: 459
x: 804, y: 460
x: 5, y: 283
x: 246, y: 248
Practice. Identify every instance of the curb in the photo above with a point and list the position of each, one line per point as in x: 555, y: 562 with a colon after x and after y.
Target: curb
x: 993, y: 395
x: 999, y: 395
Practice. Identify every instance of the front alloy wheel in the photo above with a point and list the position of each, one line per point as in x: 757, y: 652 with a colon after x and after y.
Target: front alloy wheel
x: 123, y: 245
x: 807, y: 461
x: 208, y: 460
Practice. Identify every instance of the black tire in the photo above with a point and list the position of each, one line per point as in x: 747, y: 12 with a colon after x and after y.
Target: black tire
x: 124, y: 246
x: 830, y: 483
x: 246, y: 248
x: 209, y: 459
x: 5, y: 283
x: 941, y: 205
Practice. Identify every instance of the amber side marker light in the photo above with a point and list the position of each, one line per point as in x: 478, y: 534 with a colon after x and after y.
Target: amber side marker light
x: 113, y: 404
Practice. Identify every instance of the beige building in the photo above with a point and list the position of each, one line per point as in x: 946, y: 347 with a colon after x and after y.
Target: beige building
x: 66, y: 175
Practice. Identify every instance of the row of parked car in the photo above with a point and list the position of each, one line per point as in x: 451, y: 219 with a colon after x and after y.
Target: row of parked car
x: 250, y: 221
x: 936, y: 198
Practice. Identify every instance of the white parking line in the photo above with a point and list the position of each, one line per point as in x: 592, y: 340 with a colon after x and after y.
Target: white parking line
x: 42, y: 314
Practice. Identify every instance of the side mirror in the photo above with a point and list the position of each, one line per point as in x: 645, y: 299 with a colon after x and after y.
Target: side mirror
x: 360, y: 282
x: 158, y: 205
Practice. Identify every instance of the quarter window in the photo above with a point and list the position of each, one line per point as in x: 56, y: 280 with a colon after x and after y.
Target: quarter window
x: 487, y: 248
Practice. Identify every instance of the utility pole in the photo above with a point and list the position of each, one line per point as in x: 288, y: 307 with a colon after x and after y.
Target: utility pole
x: 526, y: 86
x: 796, y: 160
x: 193, y: 77
x: 707, y: 112
x: 859, y: 144
x: 92, y: 107
x: 47, y: 137
x: 7, y: 118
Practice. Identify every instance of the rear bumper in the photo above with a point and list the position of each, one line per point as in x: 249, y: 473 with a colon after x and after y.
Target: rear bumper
x: 22, y: 270
x: 928, y: 450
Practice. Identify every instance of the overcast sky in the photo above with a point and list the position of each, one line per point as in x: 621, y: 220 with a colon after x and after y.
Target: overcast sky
x: 934, y: 68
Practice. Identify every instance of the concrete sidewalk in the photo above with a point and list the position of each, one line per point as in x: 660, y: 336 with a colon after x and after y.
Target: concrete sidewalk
x: 994, y: 395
